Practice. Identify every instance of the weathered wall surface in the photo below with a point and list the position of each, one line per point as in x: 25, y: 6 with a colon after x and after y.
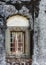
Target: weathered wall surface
x: 39, y: 57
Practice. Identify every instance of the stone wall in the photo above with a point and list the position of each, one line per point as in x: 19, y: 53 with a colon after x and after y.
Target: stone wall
x: 39, y: 57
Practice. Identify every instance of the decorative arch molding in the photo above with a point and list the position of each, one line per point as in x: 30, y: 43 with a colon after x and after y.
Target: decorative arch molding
x: 28, y: 17
x: 24, y: 11
x: 18, y: 20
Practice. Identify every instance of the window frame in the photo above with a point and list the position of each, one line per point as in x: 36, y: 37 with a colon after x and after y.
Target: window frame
x: 24, y: 38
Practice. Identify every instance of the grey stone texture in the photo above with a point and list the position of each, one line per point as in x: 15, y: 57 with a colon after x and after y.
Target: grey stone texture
x: 39, y: 57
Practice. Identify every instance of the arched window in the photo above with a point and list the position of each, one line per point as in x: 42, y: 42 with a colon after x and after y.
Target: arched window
x: 17, y: 35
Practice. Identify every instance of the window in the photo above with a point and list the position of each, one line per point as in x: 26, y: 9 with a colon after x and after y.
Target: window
x: 17, y: 42
x: 18, y: 36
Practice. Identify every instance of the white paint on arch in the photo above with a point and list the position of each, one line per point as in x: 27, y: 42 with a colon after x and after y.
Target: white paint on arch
x: 18, y: 21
